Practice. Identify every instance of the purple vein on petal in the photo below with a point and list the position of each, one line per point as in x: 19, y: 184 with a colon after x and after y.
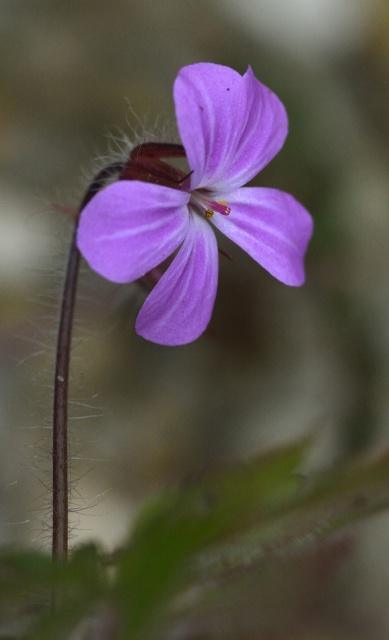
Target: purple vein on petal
x: 179, y: 308
x: 130, y: 227
x: 272, y: 227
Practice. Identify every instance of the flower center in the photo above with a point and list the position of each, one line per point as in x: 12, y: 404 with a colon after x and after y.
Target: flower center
x: 145, y: 164
x: 202, y: 204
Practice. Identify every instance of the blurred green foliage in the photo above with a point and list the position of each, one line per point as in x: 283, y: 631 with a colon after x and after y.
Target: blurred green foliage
x: 202, y: 537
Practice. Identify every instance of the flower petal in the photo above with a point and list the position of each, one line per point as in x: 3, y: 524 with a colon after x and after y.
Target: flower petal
x: 230, y: 125
x: 179, y: 308
x: 272, y: 227
x: 130, y: 227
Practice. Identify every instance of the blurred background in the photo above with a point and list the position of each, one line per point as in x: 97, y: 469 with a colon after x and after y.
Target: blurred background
x: 76, y: 79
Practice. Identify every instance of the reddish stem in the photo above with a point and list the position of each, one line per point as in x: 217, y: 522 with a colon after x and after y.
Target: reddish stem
x: 61, y: 386
x: 61, y: 382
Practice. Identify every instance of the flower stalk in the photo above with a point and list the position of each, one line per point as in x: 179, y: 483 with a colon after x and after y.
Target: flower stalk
x: 60, y: 411
x: 60, y: 480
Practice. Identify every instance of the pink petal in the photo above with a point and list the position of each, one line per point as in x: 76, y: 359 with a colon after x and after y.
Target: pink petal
x: 130, y: 227
x: 231, y: 125
x: 179, y: 308
x: 272, y: 227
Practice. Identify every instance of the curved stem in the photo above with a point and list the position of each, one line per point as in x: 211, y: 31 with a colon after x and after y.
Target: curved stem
x: 61, y: 382
x: 61, y: 386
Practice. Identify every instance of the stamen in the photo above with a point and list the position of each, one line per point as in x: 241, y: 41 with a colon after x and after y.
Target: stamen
x: 208, y: 207
x: 221, y: 207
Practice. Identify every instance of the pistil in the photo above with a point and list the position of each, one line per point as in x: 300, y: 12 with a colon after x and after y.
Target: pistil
x: 208, y: 207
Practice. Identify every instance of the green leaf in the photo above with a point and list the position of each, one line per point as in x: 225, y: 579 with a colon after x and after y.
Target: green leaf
x: 323, y: 505
x: 181, y: 523
x: 237, y: 518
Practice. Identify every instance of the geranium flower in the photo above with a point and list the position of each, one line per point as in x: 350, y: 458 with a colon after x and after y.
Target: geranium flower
x: 231, y: 126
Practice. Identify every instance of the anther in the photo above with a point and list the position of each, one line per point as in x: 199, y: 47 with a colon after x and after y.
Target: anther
x: 208, y: 207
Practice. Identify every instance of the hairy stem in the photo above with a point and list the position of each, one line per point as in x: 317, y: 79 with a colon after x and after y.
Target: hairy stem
x: 60, y: 418
x: 61, y: 383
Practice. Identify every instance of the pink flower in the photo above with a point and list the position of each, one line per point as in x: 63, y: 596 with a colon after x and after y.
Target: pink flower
x: 231, y: 126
